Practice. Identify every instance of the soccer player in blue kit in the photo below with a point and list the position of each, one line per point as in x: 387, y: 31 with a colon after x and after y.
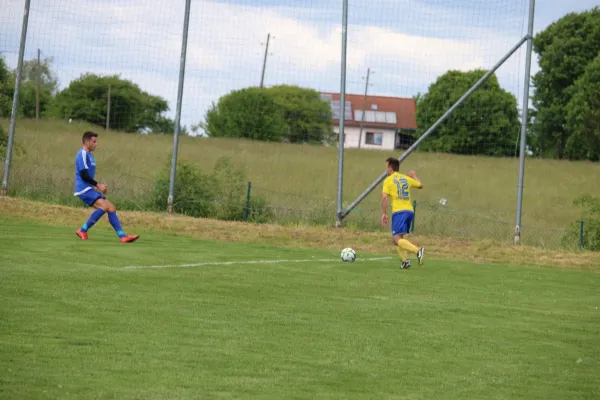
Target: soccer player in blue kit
x: 92, y: 193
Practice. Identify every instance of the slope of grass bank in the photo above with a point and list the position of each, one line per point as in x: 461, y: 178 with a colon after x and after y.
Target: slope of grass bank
x: 299, y: 181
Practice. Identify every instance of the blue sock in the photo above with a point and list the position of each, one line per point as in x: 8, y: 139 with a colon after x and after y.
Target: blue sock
x: 116, y: 224
x: 96, y: 215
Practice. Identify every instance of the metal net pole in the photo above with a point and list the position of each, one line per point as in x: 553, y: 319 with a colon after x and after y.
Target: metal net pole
x: 525, y: 117
x: 15, y: 103
x: 186, y: 23
x: 342, y: 114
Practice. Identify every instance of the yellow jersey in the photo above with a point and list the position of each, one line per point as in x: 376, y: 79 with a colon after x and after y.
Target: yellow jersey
x: 397, y: 187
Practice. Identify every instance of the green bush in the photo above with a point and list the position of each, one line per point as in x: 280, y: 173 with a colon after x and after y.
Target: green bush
x: 230, y: 190
x: 194, y: 191
x: 3, y: 143
x: 220, y: 194
x: 18, y: 150
x: 591, y: 224
x: 259, y: 211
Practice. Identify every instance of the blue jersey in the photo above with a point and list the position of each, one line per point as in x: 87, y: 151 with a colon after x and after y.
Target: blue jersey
x: 84, y: 160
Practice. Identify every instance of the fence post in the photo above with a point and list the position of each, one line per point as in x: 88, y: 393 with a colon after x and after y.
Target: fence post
x: 412, y: 227
x: 581, y: 234
x: 247, y: 207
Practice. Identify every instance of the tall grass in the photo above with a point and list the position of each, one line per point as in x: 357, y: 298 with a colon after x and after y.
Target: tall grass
x: 300, y: 181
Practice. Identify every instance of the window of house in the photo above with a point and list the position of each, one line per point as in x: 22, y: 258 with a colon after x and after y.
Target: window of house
x: 374, y: 138
x: 381, y: 117
x: 390, y: 117
x: 374, y: 107
x: 336, y: 111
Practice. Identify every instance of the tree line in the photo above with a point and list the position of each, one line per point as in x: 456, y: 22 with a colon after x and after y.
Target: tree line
x: 86, y: 98
x: 564, y: 122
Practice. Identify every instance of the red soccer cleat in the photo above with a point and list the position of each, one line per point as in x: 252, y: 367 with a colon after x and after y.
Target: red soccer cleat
x: 82, y: 235
x: 129, y: 238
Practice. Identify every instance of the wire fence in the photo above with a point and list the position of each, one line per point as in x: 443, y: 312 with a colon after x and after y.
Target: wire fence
x: 437, y: 220
x: 430, y: 220
x: 258, y: 204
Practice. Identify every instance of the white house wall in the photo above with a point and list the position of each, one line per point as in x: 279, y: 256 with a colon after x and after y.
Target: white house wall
x: 352, y: 133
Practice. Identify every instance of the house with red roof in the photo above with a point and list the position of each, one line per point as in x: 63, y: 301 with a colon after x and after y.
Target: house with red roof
x: 374, y: 122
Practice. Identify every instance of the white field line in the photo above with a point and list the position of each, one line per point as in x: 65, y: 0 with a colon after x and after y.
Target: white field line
x: 212, y: 263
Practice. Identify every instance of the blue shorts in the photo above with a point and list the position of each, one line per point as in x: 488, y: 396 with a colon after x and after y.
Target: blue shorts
x: 401, y: 222
x: 90, y: 197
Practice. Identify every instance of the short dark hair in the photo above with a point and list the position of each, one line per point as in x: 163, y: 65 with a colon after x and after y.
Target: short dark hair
x: 88, y: 135
x: 394, y: 163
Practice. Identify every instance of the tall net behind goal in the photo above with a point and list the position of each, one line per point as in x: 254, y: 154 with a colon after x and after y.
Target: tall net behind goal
x: 254, y: 69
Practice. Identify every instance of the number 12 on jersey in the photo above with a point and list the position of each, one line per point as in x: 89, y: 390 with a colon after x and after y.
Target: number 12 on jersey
x: 402, y: 186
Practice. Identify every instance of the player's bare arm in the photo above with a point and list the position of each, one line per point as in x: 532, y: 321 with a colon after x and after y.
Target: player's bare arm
x: 384, y: 216
x: 413, y: 175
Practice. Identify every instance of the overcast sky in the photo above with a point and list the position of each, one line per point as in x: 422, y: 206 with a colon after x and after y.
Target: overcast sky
x: 408, y: 43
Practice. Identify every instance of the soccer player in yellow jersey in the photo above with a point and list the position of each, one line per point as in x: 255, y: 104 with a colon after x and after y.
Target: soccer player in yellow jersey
x: 396, y: 189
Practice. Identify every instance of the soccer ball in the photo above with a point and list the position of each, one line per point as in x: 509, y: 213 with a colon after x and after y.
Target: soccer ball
x: 348, y: 255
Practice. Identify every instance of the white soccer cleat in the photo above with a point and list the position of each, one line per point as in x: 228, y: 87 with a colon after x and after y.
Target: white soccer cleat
x: 420, y: 255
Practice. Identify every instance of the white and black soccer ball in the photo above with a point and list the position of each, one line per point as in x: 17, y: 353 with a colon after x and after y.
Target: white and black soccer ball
x: 348, y: 255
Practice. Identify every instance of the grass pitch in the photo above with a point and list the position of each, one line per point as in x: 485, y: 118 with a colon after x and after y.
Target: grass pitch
x: 75, y: 323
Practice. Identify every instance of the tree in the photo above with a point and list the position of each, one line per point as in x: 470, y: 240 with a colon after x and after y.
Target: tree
x: 6, y: 89
x: 247, y: 113
x: 31, y: 72
x: 27, y: 94
x: 3, y: 143
x: 565, y: 49
x: 306, y: 114
x: 4, y: 71
x: 131, y: 110
x: 486, y: 123
x: 28, y: 99
x: 281, y: 112
x: 583, y: 116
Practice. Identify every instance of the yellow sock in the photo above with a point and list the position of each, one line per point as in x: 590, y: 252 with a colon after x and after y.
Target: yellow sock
x: 402, y: 253
x: 405, y: 244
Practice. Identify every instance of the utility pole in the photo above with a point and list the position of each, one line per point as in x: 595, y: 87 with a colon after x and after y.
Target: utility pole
x: 262, y: 75
x: 364, y: 111
x: 37, y: 87
x: 108, y: 110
